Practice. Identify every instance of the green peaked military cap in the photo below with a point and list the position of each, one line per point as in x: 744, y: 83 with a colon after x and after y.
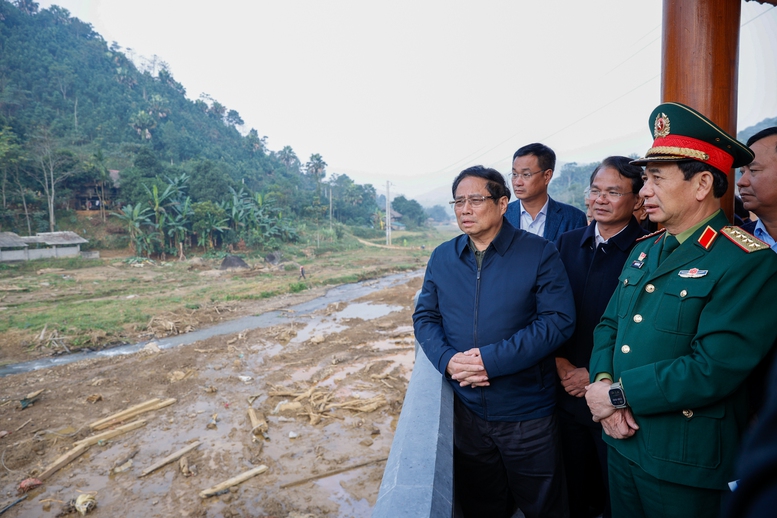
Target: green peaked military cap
x: 682, y: 133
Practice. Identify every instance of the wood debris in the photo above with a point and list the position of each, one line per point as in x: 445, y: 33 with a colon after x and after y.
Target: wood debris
x: 239, y: 479
x: 94, y: 439
x: 129, y: 413
x: 63, y: 460
x: 171, y: 458
x: 94, y: 398
x: 330, y: 473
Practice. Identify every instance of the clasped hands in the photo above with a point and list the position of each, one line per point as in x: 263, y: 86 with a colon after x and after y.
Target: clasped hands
x: 618, y: 423
x: 467, y: 368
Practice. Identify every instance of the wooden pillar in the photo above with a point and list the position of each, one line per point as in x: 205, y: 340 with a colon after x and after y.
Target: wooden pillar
x: 700, y: 62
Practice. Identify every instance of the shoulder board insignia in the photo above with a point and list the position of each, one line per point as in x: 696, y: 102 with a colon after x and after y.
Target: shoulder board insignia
x: 744, y: 240
x: 656, y: 233
x: 707, y: 237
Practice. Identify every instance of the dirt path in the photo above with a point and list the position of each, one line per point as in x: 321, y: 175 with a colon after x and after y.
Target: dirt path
x: 331, y: 392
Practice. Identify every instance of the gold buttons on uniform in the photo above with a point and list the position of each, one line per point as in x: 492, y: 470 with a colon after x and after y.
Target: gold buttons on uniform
x: 625, y: 349
x: 683, y: 293
x: 637, y: 318
x: 688, y: 413
x: 650, y: 288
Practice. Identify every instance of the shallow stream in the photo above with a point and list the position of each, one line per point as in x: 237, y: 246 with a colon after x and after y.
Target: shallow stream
x: 298, y: 313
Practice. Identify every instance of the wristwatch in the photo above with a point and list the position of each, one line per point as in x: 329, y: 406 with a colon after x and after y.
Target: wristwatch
x: 617, y: 397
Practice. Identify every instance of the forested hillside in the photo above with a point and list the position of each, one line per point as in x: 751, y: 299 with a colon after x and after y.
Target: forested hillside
x: 73, y: 108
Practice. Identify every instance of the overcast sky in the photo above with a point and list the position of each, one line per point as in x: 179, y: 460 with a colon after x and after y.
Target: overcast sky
x: 415, y: 91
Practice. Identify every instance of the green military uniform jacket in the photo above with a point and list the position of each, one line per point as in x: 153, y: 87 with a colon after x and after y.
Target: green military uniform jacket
x: 682, y: 342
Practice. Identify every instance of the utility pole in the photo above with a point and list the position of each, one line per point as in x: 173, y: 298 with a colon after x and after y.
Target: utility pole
x: 330, y: 208
x: 388, y: 214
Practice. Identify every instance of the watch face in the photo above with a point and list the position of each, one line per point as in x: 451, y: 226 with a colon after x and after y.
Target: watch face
x: 616, y: 397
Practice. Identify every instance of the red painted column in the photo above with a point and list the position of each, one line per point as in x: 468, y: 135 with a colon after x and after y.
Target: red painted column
x: 700, y: 64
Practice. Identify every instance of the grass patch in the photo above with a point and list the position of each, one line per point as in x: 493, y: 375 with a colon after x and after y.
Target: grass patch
x: 296, y: 287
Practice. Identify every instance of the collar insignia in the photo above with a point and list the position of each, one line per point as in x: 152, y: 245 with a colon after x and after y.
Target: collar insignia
x: 707, y: 237
x: 693, y: 273
x: 661, y: 126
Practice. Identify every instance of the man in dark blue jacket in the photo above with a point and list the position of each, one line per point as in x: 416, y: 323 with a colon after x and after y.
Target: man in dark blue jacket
x: 534, y: 210
x: 495, y: 304
x: 594, y: 257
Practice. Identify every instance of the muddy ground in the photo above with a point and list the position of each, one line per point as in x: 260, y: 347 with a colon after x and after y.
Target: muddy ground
x: 331, y: 393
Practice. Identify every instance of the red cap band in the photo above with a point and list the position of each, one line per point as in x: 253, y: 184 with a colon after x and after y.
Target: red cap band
x: 692, y: 148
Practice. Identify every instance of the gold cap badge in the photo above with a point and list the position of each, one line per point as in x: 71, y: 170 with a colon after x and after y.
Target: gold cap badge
x: 661, y: 126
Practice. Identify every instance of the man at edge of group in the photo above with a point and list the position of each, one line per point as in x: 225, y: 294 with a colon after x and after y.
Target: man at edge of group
x: 593, y: 257
x: 534, y: 211
x: 494, y: 305
x: 688, y: 322
x: 757, y: 464
x: 758, y: 186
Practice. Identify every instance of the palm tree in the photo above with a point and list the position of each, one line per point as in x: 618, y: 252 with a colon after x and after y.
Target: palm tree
x: 288, y: 157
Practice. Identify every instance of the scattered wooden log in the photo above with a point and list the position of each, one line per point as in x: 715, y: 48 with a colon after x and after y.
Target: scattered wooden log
x: 233, y: 481
x: 94, y: 439
x: 129, y: 413
x: 170, y: 458
x: 62, y: 461
x: 330, y: 473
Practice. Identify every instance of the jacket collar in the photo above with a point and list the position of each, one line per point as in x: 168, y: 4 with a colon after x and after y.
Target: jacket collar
x: 500, y: 243
x: 623, y: 240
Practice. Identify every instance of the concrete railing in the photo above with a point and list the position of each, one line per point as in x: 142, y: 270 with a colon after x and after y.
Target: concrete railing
x: 418, y: 479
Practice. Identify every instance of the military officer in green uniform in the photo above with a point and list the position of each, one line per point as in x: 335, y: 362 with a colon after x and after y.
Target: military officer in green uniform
x: 693, y: 314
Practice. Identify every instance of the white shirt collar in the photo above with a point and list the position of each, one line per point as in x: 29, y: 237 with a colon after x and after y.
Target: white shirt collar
x: 598, y: 236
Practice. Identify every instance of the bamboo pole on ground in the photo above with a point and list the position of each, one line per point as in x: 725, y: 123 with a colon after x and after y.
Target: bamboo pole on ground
x: 63, y: 460
x: 171, y: 458
x: 111, y: 434
x: 233, y: 481
x: 129, y: 413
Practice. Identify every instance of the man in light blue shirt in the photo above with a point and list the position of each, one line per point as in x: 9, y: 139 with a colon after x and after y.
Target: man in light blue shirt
x: 535, y: 211
x: 758, y: 186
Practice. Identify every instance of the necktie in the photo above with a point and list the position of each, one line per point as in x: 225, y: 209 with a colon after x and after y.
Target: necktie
x: 670, y: 243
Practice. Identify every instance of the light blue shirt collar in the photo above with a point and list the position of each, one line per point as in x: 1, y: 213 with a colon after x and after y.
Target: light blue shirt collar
x: 536, y: 225
x: 761, y: 233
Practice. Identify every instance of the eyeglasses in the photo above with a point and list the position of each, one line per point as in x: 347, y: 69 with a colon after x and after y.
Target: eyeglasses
x: 525, y: 176
x: 475, y: 200
x: 613, y: 195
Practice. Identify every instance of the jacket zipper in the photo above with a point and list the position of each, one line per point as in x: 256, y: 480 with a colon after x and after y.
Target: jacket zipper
x: 475, y: 326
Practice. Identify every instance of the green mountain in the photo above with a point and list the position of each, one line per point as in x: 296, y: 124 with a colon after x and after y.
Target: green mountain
x: 73, y: 108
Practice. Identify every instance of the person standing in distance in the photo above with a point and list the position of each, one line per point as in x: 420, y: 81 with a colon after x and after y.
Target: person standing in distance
x: 494, y: 305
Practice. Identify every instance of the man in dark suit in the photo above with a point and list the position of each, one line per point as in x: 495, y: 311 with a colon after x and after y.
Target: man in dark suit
x: 690, y: 319
x: 593, y: 257
x: 758, y: 186
x: 535, y: 211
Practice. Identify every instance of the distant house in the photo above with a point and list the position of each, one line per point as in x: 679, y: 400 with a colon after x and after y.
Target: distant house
x: 88, y: 198
x: 42, y: 245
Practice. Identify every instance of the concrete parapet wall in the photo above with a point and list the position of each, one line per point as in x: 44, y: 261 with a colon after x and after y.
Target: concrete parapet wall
x: 418, y: 479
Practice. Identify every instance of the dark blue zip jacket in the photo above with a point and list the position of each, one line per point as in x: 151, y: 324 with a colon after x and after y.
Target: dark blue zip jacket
x: 517, y: 309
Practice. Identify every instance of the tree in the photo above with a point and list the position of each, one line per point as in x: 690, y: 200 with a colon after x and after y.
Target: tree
x: 208, y: 221
x: 10, y: 152
x: 234, y: 118
x: 135, y: 218
x: 288, y: 158
x: 438, y: 213
x: 412, y: 212
x: 53, y: 166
